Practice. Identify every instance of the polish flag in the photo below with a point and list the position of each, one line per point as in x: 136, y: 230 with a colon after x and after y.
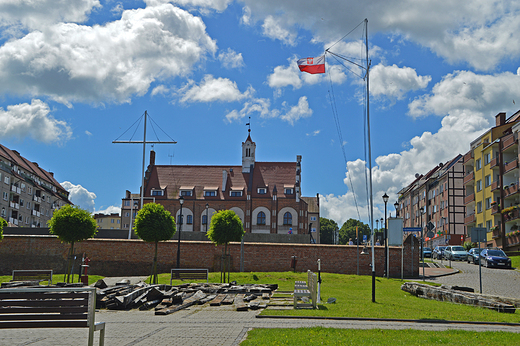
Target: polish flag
x: 312, y: 65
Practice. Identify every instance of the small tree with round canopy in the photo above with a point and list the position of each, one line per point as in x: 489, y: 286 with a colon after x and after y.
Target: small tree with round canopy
x: 153, y: 223
x: 72, y: 224
x: 225, y: 227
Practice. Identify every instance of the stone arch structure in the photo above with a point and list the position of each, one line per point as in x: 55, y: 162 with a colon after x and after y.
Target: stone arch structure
x: 261, y: 228
x: 211, y: 212
x: 185, y: 213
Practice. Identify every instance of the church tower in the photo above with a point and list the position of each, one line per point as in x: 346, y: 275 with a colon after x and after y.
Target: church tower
x: 248, y: 154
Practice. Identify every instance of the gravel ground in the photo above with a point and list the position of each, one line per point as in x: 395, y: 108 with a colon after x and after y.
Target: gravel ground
x: 495, y: 281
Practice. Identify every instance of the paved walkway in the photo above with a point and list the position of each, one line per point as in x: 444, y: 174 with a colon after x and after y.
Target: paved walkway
x: 205, y: 325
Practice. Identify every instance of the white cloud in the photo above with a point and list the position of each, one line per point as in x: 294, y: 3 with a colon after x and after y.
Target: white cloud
x: 231, y: 59
x: 394, y: 82
x: 80, y: 196
x: 212, y: 89
x: 295, y: 113
x: 33, y: 120
x: 160, y: 90
x: 113, y: 209
x: 276, y: 28
x: 253, y: 105
x: 218, y: 5
x: 38, y: 14
x: 314, y: 133
x: 111, y: 62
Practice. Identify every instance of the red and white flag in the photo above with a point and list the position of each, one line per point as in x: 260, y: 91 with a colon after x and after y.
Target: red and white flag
x: 312, y: 65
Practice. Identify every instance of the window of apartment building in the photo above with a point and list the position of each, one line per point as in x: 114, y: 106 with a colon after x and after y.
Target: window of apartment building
x: 186, y: 193
x: 313, y: 218
x: 435, y: 209
x: 189, y: 219
x: 157, y: 193
x: 127, y: 203
x: 479, y: 185
x: 441, y: 188
x: 3, y: 212
x: 442, y: 205
x: 99, y: 220
x: 488, y: 180
x: 111, y: 220
x: 407, y: 216
x: 6, y: 196
x: 29, y: 190
x: 289, y: 191
x: 235, y: 193
x: 262, y: 190
x: 478, y: 164
x: 479, y: 207
x: 287, y: 218
x: 488, y: 202
x: 487, y: 158
x: 210, y: 193
x: 21, y: 202
x: 118, y: 221
x: 6, y: 180
x: 260, y: 218
x: 489, y: 224
x: 28, y: 205
x: 127, y: 214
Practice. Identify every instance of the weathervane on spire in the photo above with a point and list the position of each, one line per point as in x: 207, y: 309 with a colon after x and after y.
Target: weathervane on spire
x: 249, y: 124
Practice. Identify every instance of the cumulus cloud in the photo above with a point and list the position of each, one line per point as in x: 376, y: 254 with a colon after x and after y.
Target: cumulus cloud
x: 218, y: 5
x: 111, y: 62
x: 298, y: 111
x: 231, y: 59
x: 394, y: 82
x: 33, y: 120
x: 276, y: 28
x: 113, y: 209
x: 80, y: 196
x: 38, y: 14
x: 290, y: 114
x: 212, y: 89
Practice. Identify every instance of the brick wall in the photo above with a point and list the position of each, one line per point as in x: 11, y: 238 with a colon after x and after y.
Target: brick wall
x: 114, y: 257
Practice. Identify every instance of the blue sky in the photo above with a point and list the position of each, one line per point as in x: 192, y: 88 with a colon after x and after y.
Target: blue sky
x: 75, y: 75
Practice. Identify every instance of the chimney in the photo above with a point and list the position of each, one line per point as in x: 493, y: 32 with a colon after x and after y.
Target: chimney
x: 224, y: 180
x: 500, y: 119
x: 152, y: 157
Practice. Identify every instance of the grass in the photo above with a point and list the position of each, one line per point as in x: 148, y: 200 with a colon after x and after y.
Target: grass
x: 57, y: 278
x: 330, y: 336
x: 515, y: 261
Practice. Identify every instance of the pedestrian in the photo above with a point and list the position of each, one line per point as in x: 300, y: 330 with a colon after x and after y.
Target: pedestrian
x: 290, y: 231
x: 377, y: 242
x: 350, y: 242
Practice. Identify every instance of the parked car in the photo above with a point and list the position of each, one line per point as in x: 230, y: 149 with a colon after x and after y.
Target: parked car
x: 455, y: 253
x: 438, y: 252
x: 427, y: 252
x: 473, y: 255
x: 495, y: 258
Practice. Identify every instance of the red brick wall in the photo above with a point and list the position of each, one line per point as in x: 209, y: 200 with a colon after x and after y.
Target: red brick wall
x: 134, y: 257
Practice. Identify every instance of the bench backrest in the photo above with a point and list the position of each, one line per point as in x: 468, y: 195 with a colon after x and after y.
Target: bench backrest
x: 189, y: 274
x: 312, y: 280
x: 66, y: 307
x: 39, y: 275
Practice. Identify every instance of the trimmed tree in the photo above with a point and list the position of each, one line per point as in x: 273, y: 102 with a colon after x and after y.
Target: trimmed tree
x: 225, y: 227
x: 153, y: 223
x: 72, y: 224
x: 3, y: 223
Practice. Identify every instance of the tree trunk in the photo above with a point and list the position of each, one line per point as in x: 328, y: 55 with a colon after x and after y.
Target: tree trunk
x: 71, y: 254
x: 155, y: 279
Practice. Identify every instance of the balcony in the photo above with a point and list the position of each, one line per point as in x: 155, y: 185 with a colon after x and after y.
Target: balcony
x: 495, y: 185
x: 469, y: 219
x: 36, y: 213
x: 496, y: 233
x: 13, y: 221
x: 468, y: 156
x: 469, y: 178
x: 468, y: 199
x: 495, y: 208
x: 511, y: 215
x: 509, y: 166
x: 37, y: 199
x: 14, y: 205
x: 510, y: 190
x: 509, y: 140
x: 16, y: 189
x: 493, y: 163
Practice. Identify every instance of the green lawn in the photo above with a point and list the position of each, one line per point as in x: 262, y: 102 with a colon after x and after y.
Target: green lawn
x: 515, y: 262
x: 330, y: 336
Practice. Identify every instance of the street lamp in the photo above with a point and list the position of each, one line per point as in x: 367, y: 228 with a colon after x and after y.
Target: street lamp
x: 422, y: 242
x: 396, y: 206
x: 181, y: 201
x: 385, y: 199
x: 207, y: 207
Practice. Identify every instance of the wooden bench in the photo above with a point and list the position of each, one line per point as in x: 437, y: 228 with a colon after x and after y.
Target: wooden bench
x: 189, y: 274
x: 33, y: 275
x: 311, y: 291
x: 66, y: 307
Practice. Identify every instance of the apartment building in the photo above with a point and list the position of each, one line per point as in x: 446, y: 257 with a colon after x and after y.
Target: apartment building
x: 435, y: 203
x: 491, y: 183
x: 30, y: 194
x: 108, y: 221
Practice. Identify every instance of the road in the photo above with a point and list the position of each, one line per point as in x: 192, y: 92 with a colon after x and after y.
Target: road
x: 495, y: 281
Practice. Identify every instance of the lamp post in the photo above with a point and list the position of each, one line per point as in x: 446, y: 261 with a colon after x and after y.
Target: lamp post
x: 422, y: 242
x: 181, y: 201
x: 385, y: 199
x: 396, y: 206
x: 207, y: 207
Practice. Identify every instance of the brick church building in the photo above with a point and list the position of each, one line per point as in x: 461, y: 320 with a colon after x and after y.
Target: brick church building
x: 265, y: 195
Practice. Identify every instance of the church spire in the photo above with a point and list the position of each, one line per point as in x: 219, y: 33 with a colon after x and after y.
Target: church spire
x: 248, y: 151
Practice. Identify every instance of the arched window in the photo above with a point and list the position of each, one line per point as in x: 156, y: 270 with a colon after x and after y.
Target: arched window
x: 287, y: 219
x: 189, y: 219
x: 260, y: 218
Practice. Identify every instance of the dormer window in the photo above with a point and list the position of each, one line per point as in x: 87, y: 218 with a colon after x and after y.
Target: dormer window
x: 262, y: 190
x: 289, y: 191
x: 157, y: 192
x: 210, y: 191
x: 186, y: 193
x: 235, y: 193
